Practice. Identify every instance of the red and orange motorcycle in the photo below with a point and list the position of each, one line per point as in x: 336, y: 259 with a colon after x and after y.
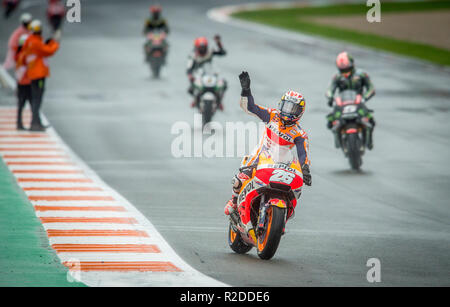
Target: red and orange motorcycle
x: 269, y: 198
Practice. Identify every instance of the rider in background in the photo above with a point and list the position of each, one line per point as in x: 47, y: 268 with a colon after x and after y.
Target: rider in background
x: 350, y: 78
x: 25, y: 20
x: 10, y: 6
x: 55, y: 14
x: 155, y: 22
x: 201, y: 55
x: 282, y: 129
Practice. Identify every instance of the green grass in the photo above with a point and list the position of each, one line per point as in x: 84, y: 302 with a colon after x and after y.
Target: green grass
x: 296, y: 19
x: 26, y: 259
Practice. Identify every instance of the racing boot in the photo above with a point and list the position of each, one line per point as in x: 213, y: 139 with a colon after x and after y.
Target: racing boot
x: 370, y: 134
x: 370, y: 139
x: 231, y: 205
x: 220, y: 106
x: 337, y: 142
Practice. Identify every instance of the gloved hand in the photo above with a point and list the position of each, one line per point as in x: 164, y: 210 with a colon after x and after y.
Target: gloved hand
x: 57, y: 35
x: 48, y: 40
x: 244, y: 78
x: 306, y: 175
x: 330, y: 101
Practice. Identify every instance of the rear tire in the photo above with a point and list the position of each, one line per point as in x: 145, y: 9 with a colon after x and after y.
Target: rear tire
x: 268, y: 245
x: 354, y: 151
x: 235, y: 242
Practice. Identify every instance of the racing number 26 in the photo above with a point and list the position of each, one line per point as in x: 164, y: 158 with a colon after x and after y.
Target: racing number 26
x: 282, y: 176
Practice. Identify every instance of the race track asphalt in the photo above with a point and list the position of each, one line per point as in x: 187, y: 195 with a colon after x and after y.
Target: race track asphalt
x: 103, y: 102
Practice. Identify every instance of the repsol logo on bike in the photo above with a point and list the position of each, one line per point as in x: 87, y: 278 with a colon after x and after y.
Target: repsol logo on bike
x: 282, y: 166
x: 248, y: 188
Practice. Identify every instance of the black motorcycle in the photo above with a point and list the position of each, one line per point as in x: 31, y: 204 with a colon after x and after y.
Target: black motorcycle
x: 352, y: 127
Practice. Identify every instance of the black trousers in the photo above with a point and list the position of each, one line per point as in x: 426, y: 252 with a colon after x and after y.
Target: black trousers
x: 55, y: 21
x: 37, y: 92
x: 23, y: 95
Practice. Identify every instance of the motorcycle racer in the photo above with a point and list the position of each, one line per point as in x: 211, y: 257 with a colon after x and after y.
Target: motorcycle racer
x: 55, y: 14
x: 282, y: 130
x: 155, y: 22
x: 202, y: 55
x: 350, y: 78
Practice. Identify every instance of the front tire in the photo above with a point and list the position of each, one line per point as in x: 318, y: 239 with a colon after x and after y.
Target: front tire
x: 155, y: 65
x: 268, y: 242
x: 207, y: 113
x: 235, y: 242
x: 354, y: 151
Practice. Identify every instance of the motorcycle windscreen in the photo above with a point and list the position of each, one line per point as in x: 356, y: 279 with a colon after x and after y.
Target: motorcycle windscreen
x: 278, y: 154
x: 348, y: 96
x: 206, y: 69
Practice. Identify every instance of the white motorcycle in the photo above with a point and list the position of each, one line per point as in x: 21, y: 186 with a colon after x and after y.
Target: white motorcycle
x: 209, y: 89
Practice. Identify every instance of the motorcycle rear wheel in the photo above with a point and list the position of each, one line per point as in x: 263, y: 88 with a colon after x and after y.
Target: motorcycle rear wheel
x: 268, y: 242
x: 236, y: 243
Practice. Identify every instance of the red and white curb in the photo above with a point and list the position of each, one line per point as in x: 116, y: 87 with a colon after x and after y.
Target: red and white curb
x: 102, y: 238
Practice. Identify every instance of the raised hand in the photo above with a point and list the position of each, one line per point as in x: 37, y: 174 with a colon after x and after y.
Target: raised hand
x: 244, y: 78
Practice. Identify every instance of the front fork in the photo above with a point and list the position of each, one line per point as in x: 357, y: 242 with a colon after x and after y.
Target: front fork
x: 261, y: 227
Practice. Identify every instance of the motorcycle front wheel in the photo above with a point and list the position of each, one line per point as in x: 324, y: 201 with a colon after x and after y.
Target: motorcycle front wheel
x: 155, y: 67
x: 208, y: 112
x: 354, y: 151
x: 269, y: 240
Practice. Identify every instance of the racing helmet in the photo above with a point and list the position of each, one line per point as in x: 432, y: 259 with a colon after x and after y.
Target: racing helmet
x: 155, y: 10
x: 201, y: 46
x: 345, y: 63
x: 291, y: 107
x: 35, y: 26
x: 25, y: 19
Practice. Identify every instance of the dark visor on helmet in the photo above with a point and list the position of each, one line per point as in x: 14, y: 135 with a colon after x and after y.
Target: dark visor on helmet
x: 290, y: 108
x: 346, y: 70
x: 202, y: 49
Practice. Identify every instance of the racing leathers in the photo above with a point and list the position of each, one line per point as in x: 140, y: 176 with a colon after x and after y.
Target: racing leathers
x: 196, y: 61
x: 152, y: 24
x: 275, y: 134
x: 358, y: 81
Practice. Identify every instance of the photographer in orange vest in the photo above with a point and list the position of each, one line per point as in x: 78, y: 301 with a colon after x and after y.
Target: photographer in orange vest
x: 34, y: 55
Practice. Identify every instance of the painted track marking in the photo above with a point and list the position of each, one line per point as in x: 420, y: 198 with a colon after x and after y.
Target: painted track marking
x: 92, y: 228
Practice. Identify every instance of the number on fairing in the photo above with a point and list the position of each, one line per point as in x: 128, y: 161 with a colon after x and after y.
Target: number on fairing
x: 283, y: 176
x: 350, y: 109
